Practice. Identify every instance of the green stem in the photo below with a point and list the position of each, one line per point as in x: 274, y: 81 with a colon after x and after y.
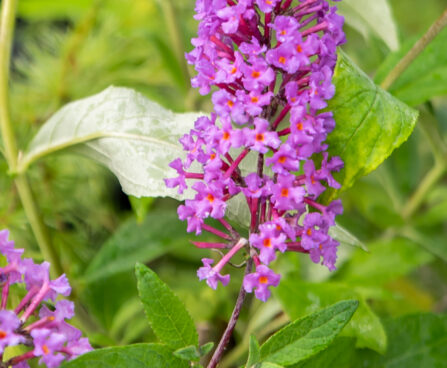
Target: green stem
x: 176, y: 36
x: 6, y: 34
x: 416, y: 200
x: 437, y: 144
x: 7, y: 23
x: 415, y: 51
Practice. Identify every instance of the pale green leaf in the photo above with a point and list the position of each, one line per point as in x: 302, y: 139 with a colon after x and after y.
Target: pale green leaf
x: 120, y: 128
x: 371, y: 18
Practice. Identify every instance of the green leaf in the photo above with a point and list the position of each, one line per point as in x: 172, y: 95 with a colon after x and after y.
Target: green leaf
x: 371, y: 18
x: 386, y: 261
x: 370, y: 123
x: 254, y: 353
x: 415, y: 341
x: 132, y: 356
x: 299, y: 297
x: 190, y: 353
x: 53, y: 9
x: 309, y: 335
x: 141, y: 206
x: 343, y: 236
x: 206, y: 348
x: 131, y: 135
x: 168, y: 317
x: 339, y: 354
x: 426, y: 77
x: 434, y: 243
x: 160, y: 233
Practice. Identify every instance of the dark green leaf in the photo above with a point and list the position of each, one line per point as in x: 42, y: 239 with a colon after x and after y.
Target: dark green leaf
x: 426, y: 77
x: 434, y: 243
x: 339, y: 354
x: 370, y: 123
x: 386, y: 261
x: 132, y: 356
x: 298, y: 298
x: 190, y: 353
x: 133, y: 242
x: 416, y: 341
x: 254, y: 354
x: 309, y: 335
x: 168, y: 317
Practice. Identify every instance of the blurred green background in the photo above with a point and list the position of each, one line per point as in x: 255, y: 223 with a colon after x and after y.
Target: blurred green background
x: 66, y: 50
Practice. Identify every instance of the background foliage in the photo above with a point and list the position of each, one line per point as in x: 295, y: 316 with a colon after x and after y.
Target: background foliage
x: 67, y: 50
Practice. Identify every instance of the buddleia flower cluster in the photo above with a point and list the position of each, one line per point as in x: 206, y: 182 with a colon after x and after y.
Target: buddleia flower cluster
x: 35, y: 323
x: 269, y: 65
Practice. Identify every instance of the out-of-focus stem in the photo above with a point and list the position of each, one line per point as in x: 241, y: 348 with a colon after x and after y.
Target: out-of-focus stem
x: 415, y: 51
x: 432, y: 177
x: 7, y: 23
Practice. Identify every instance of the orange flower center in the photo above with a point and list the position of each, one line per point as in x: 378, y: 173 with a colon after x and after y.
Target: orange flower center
x: 45, y: 349
x: 282, y: 159
x: 299, y: 48
x: 282, y: 60
x: 309, y: 232
x: 255, y: 74
x: 210, y: 198
x: 3, y: 334
x: 260, y: 137
x: 226, y: 136
x: 284, y: 192
x: 299, y: 126
x: 254, y: 99
x: 234, y: 70
x: 283, y: 32
x: 320, y: 246
x: 263, y: 280
x: 230, y: 103
x: 212, y: 156
x: 267, y: 242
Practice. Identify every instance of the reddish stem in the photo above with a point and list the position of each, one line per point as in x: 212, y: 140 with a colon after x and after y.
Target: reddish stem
x: 214, y: 231
x: 205, y: 245
x: 232, y: 323
x: 236, y: 162
x: 281, y: 116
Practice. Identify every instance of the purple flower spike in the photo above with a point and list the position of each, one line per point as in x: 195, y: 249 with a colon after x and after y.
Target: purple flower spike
x: 260, y: 281
x: 271, y: 75
x: 51, y: 337
x: 8, y: 324
x: 47, y: 345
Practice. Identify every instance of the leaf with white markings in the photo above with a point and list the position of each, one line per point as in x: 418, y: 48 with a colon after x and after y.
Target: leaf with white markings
x: 133, y: 136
